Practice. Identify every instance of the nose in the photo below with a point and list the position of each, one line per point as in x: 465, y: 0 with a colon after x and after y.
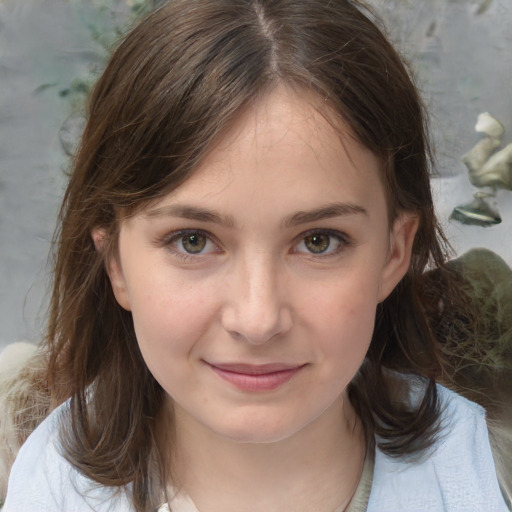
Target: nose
x: 257, y: 308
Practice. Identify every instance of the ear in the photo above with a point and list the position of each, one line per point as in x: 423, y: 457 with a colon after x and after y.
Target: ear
x: 400, y: 250
x: 113, y: 268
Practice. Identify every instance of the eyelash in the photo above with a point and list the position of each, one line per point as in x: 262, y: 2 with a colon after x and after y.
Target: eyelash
x: 179, y: 236
x: 342, y: 240
x: 170, y: 240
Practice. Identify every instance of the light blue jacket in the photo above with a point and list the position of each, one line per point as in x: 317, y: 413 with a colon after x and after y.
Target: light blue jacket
x: 458, y: 475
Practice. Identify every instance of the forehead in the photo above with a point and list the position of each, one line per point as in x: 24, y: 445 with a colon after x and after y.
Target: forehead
x: 283, y: 151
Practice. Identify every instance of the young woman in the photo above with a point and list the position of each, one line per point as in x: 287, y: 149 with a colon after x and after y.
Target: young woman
x: 239, y: 319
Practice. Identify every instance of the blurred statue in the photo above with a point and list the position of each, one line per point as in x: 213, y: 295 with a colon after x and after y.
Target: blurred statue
x: 488, y: 169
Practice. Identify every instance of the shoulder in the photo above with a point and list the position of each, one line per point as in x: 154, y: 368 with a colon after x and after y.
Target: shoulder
x: 42, y: 479
x: 456, y: 475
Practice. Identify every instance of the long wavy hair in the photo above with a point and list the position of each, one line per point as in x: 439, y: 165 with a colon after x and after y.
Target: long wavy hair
x: 170, y: 90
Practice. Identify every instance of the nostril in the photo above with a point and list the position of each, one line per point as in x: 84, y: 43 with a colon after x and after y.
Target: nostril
x: 256, y: 329
x: 236, y: 335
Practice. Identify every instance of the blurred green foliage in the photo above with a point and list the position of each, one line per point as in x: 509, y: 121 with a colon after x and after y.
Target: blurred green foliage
x: 107, y: 21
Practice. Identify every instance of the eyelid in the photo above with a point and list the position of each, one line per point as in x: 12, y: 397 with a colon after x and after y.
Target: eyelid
x: 168, y: 240
x: 344, y: 242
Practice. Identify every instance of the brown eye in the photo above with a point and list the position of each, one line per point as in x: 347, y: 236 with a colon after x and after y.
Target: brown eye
x: 322, y: 243
x: 194, y: 243
x: 191, y: 243
x: 318, y: 243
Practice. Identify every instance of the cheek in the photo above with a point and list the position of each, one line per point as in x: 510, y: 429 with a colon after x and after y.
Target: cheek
x: 351, y: 298
x: 344, y: 319
x: 170, y: 319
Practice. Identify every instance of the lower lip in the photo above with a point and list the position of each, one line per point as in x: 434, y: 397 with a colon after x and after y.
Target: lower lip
x: 260, y: 382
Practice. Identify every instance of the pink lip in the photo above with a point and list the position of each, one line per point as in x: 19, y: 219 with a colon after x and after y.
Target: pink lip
x: 247, y: 377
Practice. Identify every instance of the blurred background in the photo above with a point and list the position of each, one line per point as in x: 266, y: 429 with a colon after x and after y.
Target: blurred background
x: 51, y: 51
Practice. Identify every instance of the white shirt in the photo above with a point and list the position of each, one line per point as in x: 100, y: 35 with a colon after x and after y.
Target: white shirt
x: 458, y: 475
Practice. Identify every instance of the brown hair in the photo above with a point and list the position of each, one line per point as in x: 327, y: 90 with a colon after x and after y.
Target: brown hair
x: 174, y: 84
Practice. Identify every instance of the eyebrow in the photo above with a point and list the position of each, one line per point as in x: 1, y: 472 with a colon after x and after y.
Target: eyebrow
x: 301, y: 217
x: 325, y: 212
x: 192, y: 213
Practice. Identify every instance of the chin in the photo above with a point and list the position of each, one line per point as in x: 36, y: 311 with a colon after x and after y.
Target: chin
x: 258, y: 431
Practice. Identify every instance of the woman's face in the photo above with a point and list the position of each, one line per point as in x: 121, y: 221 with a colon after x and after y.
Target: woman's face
x: 253, y: 286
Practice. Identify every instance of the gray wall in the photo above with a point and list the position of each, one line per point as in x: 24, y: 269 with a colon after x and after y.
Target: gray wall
x: 50, y: 51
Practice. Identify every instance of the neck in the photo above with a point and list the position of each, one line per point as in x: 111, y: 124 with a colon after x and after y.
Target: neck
x: 315, y: 470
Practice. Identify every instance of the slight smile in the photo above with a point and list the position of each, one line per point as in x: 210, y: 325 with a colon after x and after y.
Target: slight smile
x: 248, y: 377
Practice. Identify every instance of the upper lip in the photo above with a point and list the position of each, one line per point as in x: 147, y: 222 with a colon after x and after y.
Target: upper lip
x: 255, y: 369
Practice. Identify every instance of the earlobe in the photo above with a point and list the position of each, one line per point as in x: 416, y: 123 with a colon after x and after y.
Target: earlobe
x: 400, y: 251
x: 99, y: 237
x: 113, y: 268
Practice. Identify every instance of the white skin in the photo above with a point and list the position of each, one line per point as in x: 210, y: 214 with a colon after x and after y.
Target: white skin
x: 287, y: 253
